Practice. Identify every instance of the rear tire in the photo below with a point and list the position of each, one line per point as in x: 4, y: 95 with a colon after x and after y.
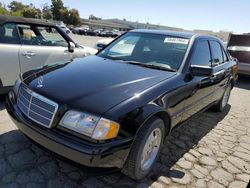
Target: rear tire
x: 220, y: 107
x: 145, y: 149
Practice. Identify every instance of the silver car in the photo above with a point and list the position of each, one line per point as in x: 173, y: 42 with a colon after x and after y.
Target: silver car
x: 26, y: 44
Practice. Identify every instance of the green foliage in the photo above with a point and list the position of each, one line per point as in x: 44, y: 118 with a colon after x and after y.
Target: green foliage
x: 16, y: 6
x: 31, y: 12
x: 18, y: 13
x: 3, y: 9
x: 46, y: 12
x: 92, y: 17
x: 56, y: 11
x: 74, y: 17
x: 68, y: 16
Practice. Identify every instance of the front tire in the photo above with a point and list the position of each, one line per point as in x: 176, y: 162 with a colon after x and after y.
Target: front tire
x: 220, y: 107
x: 145, y: 149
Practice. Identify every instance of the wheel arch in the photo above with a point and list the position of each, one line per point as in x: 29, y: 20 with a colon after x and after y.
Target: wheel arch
x: 156, y: 111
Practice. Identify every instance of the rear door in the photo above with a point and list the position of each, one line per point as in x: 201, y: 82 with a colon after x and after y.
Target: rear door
x: 41, y: 46
x: 9, y: 50
x: 221, y: 68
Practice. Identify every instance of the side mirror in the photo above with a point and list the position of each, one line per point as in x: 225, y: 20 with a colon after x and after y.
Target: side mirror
x: 71, y: 47
x: 198, y: 70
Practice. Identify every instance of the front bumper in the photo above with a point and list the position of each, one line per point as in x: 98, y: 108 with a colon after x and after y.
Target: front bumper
x: 111, y: 154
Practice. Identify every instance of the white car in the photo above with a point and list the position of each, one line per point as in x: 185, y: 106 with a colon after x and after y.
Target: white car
x: 102, y: 43
x: 26, y: 44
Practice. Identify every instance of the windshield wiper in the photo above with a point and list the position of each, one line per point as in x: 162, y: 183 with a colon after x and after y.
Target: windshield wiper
x: 149, y: 65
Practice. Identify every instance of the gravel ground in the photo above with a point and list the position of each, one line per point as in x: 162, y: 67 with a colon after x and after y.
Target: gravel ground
x: 211, y: 150
x: 89, y: 41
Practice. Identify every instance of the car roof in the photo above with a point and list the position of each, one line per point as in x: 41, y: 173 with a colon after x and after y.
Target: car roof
x: 14, y: 19
x: 187, y: 35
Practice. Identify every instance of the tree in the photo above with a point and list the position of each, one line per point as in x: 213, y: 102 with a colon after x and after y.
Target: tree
x: 31, y: 12
x: 74, y: 17
x: 68, y: 16
x: 64, y: 15
x: 58, y: 9
x: 3, y: 9
x: 46, y: 12
x: 92, y: 17
x: 15, y: 6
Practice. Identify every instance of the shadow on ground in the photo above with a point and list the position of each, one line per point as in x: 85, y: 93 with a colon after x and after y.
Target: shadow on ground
x: 22, y: 163
x: 183, y: 139
x: 243, y: 82
x: 2, y: 99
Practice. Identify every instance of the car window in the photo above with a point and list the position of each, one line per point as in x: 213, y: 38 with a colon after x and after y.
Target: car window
x: 201, y: 55
x: 9, y: 34
x: 225, y: 58
x: 124, y: 47
x: 217, y: 56
x: 41, y: 36
x: 26, y: 33
x: 156, y: 50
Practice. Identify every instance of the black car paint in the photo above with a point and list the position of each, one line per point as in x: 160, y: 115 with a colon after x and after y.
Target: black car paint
x: 105, y: 83
x: 129, y: 94
x: 70, y: 147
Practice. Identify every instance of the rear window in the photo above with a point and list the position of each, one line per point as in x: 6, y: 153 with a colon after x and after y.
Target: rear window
x: 216, y: 52
x: 9, y: 34
x: 239, y: 47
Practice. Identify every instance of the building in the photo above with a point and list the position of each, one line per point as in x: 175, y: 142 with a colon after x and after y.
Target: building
x: 104, y: 24
x: 138, y: 25
x: 123, y: 25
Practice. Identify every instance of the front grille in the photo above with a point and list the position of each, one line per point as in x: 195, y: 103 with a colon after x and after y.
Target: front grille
x: 36, y: 107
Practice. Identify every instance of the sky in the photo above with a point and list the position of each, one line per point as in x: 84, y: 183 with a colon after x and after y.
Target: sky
x: 213, y: 15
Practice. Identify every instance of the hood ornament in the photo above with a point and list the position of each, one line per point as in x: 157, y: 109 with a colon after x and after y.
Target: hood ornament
x: 40, y: 82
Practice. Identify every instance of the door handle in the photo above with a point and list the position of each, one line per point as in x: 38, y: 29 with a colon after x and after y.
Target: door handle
x: 29, y: 54
x: 215, y: 75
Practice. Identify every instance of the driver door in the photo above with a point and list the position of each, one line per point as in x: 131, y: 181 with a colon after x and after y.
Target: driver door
x: 201, y: 88
x: 41, y: 46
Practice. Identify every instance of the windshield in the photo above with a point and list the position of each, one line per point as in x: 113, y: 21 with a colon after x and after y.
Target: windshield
x: 148, y: 49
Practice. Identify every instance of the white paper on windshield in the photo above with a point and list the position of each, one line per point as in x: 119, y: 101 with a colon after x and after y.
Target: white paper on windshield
x: 176, y: 40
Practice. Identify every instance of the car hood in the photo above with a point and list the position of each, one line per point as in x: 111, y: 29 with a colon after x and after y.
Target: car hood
x: 92, y: 84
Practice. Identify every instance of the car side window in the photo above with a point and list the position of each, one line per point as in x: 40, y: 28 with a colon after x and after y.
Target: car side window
x: 9, y: 34
x: 201, y: 54
x: 41, y: 36
x: 225, y: 58
x: 26, y: 34
x: 217, y: 57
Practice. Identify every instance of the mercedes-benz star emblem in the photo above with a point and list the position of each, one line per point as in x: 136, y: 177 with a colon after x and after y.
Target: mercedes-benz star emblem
x: 40, y: 82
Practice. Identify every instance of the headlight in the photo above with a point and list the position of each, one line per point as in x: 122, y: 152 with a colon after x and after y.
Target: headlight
x: 90, y: 125
x: 17, y: 85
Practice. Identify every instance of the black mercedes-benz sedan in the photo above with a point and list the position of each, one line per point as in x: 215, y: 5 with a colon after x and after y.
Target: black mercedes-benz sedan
x: 116, y: 108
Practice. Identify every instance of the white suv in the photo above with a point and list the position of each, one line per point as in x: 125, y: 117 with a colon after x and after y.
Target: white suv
x: 26, y: 44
